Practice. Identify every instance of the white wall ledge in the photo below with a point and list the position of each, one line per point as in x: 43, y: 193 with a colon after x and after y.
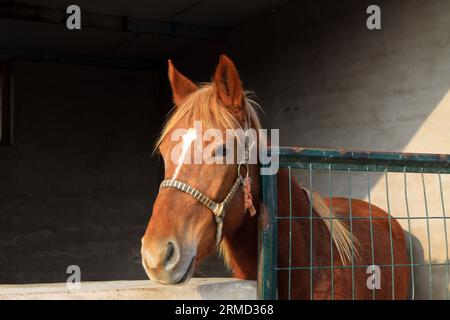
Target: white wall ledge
x: 195, y: 289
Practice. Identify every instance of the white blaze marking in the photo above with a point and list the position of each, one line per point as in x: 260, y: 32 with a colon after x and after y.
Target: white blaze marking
x: 188, y: 138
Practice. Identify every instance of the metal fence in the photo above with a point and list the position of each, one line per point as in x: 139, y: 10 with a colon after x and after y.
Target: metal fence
x: 386, y: 180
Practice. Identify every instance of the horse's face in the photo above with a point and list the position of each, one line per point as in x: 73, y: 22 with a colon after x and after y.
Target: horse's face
x: 182, y: 231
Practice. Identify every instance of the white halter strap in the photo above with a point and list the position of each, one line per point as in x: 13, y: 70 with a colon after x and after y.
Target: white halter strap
x: 217, y: 208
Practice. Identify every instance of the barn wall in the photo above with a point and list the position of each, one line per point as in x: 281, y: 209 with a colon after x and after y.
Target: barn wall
x: 76, y: 187
x: 323, y: 78
x: 326, y: 81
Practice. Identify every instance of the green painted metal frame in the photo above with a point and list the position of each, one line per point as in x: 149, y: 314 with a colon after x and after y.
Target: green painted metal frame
x: 364, y: 160
x: 333, y: 159
x: 267, y: 240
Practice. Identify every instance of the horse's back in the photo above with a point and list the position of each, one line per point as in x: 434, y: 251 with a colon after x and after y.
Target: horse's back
x: 310, y: 262
x: 381, y: 243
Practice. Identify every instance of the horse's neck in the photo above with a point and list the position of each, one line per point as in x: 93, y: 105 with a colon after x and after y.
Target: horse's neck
x: 292, y: 197
x: 293, y: 201
x: 243, y: 248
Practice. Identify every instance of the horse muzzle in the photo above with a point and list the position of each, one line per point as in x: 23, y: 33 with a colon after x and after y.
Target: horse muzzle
x: 168, y: 264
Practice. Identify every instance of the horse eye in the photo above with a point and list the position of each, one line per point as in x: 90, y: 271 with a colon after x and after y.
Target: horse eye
x: 221, y: 151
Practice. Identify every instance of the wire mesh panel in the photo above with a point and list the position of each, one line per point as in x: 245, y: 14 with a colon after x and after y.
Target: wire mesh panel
x: 337, y: 224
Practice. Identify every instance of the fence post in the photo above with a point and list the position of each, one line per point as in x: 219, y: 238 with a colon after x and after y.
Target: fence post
x: 267, y: 239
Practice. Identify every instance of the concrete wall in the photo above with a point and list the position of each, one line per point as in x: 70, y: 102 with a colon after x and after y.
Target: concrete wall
x: 195, y: 289
x: 327, y: 81
x: 78, y: 183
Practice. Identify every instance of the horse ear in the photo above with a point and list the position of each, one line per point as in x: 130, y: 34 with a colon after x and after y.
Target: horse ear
x: 228, y: 85
x: 181, y: 86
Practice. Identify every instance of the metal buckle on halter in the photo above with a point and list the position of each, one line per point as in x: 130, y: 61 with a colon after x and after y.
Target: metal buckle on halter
x: 245, y: 161
x: 218, y: 216
x: 247, y: 174
x: 218, y: 210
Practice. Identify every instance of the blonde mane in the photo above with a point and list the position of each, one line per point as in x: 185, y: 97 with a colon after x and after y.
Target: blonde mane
x: 346, y: 243
x: 203, y: 105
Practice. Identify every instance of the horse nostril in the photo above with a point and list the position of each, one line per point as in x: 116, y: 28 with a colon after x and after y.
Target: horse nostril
x: 169, y: 253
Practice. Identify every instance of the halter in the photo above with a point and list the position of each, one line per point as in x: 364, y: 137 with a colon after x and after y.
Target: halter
x: 217, y: 208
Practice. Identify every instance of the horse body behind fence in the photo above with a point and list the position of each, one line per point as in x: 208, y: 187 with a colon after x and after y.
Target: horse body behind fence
x: 329, y: 275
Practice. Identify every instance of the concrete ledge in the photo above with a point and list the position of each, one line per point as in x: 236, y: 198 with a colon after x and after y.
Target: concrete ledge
x: 195, y: 289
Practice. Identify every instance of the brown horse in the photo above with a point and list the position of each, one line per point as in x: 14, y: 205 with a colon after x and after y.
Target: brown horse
x: 183, y: 231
